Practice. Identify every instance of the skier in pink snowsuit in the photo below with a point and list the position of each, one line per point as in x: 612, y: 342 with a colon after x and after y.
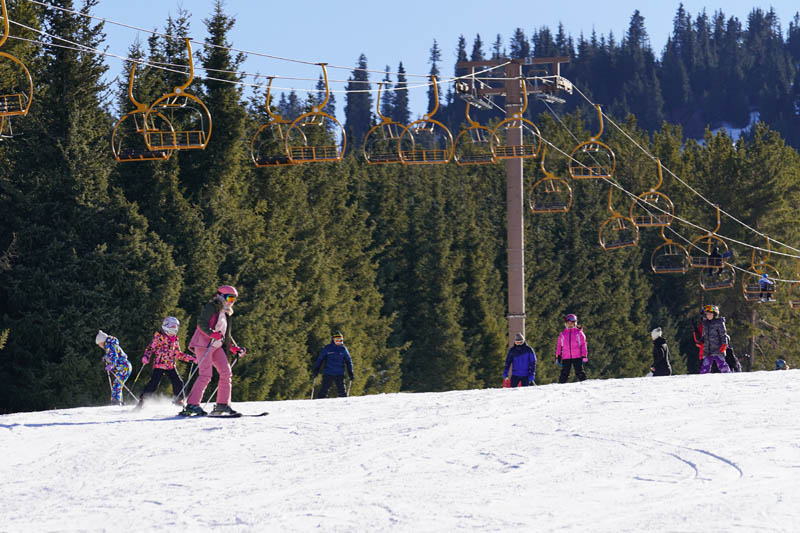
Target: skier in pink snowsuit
x: 211, y: 337
x: 571, y: 349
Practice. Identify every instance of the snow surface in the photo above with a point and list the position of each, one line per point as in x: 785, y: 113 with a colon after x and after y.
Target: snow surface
x: 719, y: 452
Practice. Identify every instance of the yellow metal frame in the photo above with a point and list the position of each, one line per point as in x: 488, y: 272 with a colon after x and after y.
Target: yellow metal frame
x: 387, y: 131
x: 726, y: 278
x: 178, y: 99
x: 17, y: 104
x: 652, y: 198
x: 751, y: 290
x: 523, y: 150
x: 616, y: 222
x: 124, y: 155
x: 579, y: 171
x: 303, y: 153
x: 475, y: 135
x: 276, y: 125
x: 551, y: 184
x: 706, y: 243
x: 671, y: 248
x: 426, y: 126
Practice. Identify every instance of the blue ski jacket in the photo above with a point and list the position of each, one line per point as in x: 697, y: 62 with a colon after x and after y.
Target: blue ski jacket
x: 333, y: 358
x: 522, y: 360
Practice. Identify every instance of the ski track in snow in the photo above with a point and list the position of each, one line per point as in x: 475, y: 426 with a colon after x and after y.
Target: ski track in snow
x: 686, y: 453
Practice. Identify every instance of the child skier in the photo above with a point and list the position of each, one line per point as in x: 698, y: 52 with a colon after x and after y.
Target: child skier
x: 332, y: 360
x: 211, y: 337
x: 165, y: 349
x: 522, y: 360
x: 715, y: 340
x: 117, y: 364
x: 661, y: 366
x: 571, y: 349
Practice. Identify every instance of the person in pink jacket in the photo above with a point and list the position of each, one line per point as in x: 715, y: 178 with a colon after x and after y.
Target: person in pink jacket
x: 211, y: 337
x: 571, y: 349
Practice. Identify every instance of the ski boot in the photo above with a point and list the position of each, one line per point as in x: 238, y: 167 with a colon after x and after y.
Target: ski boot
x: 192, y: 410
x: 224, y: 410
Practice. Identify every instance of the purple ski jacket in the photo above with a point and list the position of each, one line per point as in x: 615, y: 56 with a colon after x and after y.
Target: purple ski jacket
x: 571, y: 344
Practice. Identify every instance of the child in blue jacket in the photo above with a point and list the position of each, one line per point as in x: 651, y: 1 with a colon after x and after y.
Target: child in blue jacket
x: 522, y: 360
x: 117, y: 365
x: 332, y: 360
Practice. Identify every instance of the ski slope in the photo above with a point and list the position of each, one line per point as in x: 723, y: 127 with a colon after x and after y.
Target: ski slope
x: 685, y: 453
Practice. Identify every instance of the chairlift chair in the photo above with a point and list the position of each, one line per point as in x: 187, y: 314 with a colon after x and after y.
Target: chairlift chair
x: 751, y: 284
x: 716, y: 279
x: 268, y: 145
x: 426, y: 141
x: 669, y: 257
x: 550, y: 194
x: 529, y: 143
x: 652, y: 208
x: 382, y: 141
x: 618, y: 231
x: 190, y: 118
x: 16, y: 84
x: 703, y: 247
x: 592, y: 159
x: 127, y: 143
x: 473, y: 146
x: 316, y: 136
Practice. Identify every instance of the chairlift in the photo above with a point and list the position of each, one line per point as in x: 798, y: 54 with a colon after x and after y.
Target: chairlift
x: 268, y: 145
x: 127, y: 143
x: 618, y: 231
x: 382, y: 141
x: 652, y: 208
x: 712, y: 279
x: 592, y: 159
x: 518, y: 137
x: 752, y: 288
x: 473, y: 146
x: 16, y: 84
x: 702, y: 249
x: 669, y: 257
x: 426, y: 141
x: 550, y: 194
x: 189, y: 118
x: 316, y: 136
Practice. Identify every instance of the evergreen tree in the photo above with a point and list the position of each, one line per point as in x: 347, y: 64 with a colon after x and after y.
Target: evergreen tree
x: 400, y: 110
x: 477, y: 49
x: 358, y: 106
x: 434, y: 59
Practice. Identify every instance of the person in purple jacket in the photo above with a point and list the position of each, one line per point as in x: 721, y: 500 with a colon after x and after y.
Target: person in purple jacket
x: 522, y: 360
x: 571, y: 349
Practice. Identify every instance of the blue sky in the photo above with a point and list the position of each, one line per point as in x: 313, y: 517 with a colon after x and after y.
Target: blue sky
x: 338, y: 32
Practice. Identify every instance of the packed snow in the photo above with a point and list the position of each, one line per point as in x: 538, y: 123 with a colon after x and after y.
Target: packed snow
x: 719, y: 452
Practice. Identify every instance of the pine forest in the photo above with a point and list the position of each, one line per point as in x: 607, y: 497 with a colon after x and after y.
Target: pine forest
x: 408, y: 261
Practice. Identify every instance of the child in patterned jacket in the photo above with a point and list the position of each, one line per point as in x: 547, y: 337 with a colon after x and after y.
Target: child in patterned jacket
x: 165, y: 349
x: 117, y: 365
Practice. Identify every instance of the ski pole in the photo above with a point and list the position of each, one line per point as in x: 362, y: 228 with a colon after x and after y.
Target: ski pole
x: 110, y: 386
x: 191, y: 374
x: 349, y: 384
x: 217, y: 387
x: 138, y: 374
x: 313, y: 384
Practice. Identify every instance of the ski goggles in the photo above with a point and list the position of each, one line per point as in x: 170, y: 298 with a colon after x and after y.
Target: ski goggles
x: 230, y: 298
x: 338, y: 339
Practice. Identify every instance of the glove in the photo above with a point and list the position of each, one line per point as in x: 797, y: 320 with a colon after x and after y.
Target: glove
x: 723, y: 348
x: 585, y: 359
x: 145, y: 359
x: 506, y: 383
x: 239, y: 351
x: 558, y: 359
x: 314, y: 375
x: 352, y: 377
x: 216, y: 335
x: 109, y: 366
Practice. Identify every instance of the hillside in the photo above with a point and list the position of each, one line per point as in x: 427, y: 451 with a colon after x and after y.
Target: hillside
x: 687, y: 453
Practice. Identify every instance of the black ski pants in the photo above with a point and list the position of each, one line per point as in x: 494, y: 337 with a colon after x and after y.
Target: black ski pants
x: 566, y: 364
x: 517, y: 380
x: 172, y: 374
x: 327, y: 381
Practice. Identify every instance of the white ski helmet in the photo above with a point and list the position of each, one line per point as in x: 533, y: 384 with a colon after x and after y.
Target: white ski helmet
x: 170, y: 325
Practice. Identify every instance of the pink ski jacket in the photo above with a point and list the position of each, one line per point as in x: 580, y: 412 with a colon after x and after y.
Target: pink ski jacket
x: 165, y: 350
x: 571, y: 344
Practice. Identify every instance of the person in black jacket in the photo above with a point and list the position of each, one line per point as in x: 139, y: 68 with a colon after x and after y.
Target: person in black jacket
x: 661, y: 366
x: 332, y: 360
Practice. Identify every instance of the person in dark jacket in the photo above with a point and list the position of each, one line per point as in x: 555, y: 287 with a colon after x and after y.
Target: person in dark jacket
x: 715, y: 340
x: 332, y: 361
x: 522, y: 360
x: 661, y: 366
